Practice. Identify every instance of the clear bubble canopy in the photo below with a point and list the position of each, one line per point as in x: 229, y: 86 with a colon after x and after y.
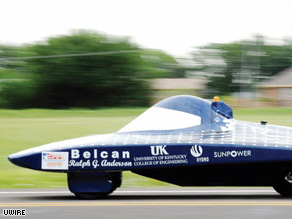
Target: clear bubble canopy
x: 178, y: 112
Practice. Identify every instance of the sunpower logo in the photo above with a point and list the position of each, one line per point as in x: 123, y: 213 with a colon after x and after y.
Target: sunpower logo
x: 233, y: 154
x: 196, y: 150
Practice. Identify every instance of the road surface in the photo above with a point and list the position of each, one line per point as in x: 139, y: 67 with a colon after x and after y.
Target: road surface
x: 150, y: 203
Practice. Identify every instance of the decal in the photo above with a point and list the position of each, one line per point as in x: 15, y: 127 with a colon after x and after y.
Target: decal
x: 145, y: 161
x: 158, y: 150
x: 55, y: 160
x: 160, y: 160
x: 234, y: 153
x: 202, y: 159
x: 160, y: 156
x: 96, y: 158
x: 80, y: 163
x: 217, y: 119
x: 75, y: 154
x: 115, y: 163
x: 197, y: 151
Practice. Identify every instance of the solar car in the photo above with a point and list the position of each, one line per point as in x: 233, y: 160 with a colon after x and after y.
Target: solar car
x: 183, y: 140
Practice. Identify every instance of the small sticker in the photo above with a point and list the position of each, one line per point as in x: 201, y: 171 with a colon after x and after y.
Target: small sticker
x: 55, y: 160
x: 196, y: 150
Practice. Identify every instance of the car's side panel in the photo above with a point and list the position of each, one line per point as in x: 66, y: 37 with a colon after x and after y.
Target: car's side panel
x: 251, y: 174
x: 109, y: 158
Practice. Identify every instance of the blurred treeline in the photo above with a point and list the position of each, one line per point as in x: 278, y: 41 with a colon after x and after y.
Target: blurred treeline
x: 241, y: 66
x: 115, y: 77
x: 68, y: 71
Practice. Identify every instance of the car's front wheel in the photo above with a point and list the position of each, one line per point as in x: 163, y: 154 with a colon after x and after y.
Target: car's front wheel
x: 114, y: 180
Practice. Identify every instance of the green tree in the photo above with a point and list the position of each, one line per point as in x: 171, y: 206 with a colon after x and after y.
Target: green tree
x: 69, y: 71
x: 158, y: 64
x: 87, y: 81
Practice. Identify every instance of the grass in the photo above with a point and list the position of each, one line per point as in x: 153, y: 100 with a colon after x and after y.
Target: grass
x: 22, y: 129
x: 275, y: 116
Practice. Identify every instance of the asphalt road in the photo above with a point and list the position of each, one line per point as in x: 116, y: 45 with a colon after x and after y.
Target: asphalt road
x: 152, y: 203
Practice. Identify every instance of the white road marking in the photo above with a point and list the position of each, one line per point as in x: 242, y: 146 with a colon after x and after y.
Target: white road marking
x: 152, y: 191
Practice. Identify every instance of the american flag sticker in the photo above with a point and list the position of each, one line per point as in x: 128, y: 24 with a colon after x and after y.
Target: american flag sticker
x: 55, y: 160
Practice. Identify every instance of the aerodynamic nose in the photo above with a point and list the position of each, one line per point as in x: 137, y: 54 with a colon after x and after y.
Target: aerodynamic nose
x: 13, y: 159
x: 25, y: 159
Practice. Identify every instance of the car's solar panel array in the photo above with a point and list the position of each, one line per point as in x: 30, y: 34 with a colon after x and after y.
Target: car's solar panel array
x: 243, y: 133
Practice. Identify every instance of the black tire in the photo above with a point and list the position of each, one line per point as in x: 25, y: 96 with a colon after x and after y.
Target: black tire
x: 91, y: 195
x: 283, y: 184
x: 116, y: 179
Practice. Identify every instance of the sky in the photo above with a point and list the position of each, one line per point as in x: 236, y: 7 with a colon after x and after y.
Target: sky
x: 175, y: 26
